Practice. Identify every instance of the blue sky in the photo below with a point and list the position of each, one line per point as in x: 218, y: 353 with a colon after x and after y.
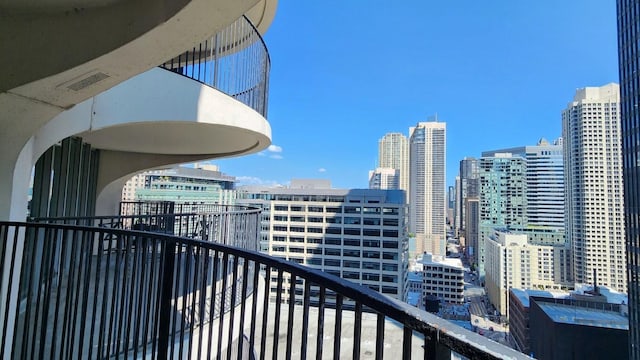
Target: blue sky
x: 498, y: 72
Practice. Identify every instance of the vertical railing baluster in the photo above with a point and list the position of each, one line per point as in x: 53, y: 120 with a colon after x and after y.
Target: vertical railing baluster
x: 164, y: 328
x: 320, y: 338
x: 380, y: 337
x: 406, y: 342
x: 192, y: 254
x: 265, y: 312
x: 337, y: 334
x: 357, y: 331
x: 153, y: 287
x: 232, y: 305
x: 243, y: 306
x: 292, y: 301
x: 225, y: 265
x: 252, y: 333
x: 276, y: 322
x: 305, y: 320
x: 214, y: 280
x: 203, y: 271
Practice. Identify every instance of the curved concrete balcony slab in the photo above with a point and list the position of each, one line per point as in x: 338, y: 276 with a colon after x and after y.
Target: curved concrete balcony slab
x: 104, y: 42
x: 162, y: 113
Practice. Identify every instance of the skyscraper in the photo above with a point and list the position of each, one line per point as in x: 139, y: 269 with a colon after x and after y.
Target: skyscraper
x: 628, y: 19
x: 544, y: 176
x: 502, y: 197
x: 393, y: 152
x: 427, y: 203
x: 468, y: 188
x: 593, y: 186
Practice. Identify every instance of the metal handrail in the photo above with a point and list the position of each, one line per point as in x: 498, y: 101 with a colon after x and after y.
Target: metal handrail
x: 235, y: 61
x: 164, y: 280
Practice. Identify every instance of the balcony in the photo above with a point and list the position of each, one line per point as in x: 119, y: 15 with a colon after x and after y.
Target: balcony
x: 221, y: 113
x: 107, y: 290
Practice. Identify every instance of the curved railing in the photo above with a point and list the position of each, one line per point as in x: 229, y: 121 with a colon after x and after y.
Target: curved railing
x: 233, y: 225
x: 234, y: 61
x: 150, y: 296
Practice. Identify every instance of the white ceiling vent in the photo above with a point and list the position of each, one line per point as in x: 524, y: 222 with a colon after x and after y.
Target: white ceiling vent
x: 87, y: 81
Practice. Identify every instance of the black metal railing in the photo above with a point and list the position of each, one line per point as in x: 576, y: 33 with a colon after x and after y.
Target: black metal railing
x: 235, y: 61
x: 226, y: 224
x: 152, y: 296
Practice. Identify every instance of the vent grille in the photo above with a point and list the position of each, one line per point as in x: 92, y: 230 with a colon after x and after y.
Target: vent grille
x: 89, y: 80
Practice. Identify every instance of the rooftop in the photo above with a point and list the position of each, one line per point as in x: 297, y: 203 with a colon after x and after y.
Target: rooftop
x: 524, y: 294
x: 573, y: 315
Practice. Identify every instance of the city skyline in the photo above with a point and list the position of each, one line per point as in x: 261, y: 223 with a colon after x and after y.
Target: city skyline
x: 499, y: 80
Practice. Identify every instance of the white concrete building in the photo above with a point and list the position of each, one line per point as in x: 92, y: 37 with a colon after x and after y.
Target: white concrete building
x: 384, y: 179
x: 393, y: 152
x: 513, y: 262
x: 427, y: 200
x: 593, y: 186
x: 443, y: 278
x: 358, y: 234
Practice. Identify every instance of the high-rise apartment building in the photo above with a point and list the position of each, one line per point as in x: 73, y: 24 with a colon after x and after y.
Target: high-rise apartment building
x: 384, y: 179
x: 628, y: 19
x: 502, y: 197
x: 451, y: 204
x: 427, y: 203
x: 593, y: 186
x: 468, y: 188
x: 472, y: 231
x: 544, y: 182
x: 393, y: 152
x: 457, y: 211
x: 357, y: 234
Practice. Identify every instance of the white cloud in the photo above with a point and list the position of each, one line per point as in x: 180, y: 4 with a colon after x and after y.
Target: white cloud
x: 274, y: 148
x: 261, y: 153
x: 253, y: 180
x: 276, y: 156
x: 322, y: 170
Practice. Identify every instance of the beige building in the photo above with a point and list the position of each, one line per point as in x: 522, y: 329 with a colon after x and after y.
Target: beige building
x: 594, y: 214
x: 393, y: 153
x: 514, y: 262
x: 427, y: 200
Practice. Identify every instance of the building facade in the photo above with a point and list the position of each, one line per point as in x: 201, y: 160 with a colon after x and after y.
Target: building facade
x: 628, y: 19
x: 181, y: 185
x: 593, y: 186
x: 393, y: 152
x: 512, y: 261
x: 468, y: 188
x: 472, y: 230
x: 427, y: 202
x: 502, y: 197
x: 544, y: 180
x: 359, y: 234
x: 576, y: 329
x: 384, y: 179
x: 443, y: 278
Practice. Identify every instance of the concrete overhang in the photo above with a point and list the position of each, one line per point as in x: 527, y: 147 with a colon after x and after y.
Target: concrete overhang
x: 162, y: 113
x: 62, y: 52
